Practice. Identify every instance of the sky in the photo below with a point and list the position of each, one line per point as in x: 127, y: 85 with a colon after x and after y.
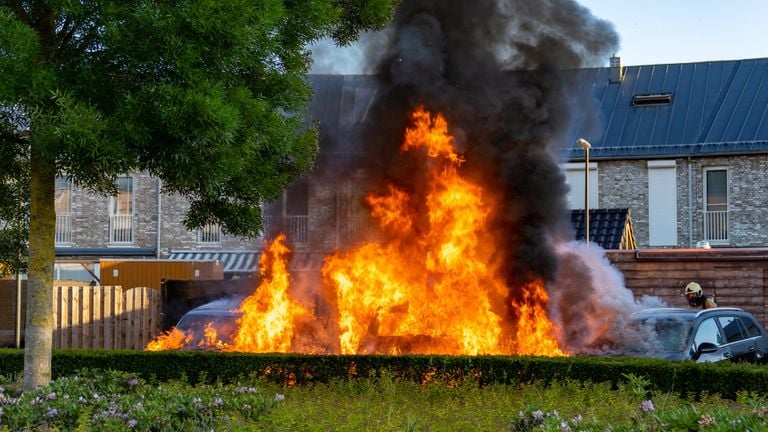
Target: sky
x: 684, y: 31
x: 651, y: 32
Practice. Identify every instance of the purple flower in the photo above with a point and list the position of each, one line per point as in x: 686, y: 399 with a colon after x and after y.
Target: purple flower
x: 537, y: 415
x: 279, y: 397
x: 218, y: 402
x: 564, y: 427
x: 706, y: 420
x: 132, y: 423
x: 246, y: 390
x: 133, y: 382
x: 51, y: 396
x: 53, y: 412
x: 646, y: 406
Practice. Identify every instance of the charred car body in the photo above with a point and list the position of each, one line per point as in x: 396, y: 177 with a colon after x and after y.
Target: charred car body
x: 219, y: 315
x: 709, y: 335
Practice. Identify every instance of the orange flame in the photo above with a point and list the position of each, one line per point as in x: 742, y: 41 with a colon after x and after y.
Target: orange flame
x: 210, y: 339
x: 534, y: 329
x: 171, y: 340
x: 269, y: 315
x: 434, y: 287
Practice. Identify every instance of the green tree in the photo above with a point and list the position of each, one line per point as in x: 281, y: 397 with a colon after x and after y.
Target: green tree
x: 208, y: 95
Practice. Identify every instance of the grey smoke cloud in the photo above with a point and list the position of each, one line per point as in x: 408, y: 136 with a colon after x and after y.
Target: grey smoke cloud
x: 591, y: 304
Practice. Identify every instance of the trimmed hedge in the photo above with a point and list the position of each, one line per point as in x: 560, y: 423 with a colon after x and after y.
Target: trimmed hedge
x: 685, y: 378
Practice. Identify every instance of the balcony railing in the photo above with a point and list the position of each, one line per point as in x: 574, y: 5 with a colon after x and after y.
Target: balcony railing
x: 121, y: 229
x: 716, y: 226
x: 294, y: 227
x: 362, y: 229
x: 63, y: 233
x: 209, y: 234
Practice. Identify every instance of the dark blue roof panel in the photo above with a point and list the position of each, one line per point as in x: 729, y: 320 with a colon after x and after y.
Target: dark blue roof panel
x: 718, y: 107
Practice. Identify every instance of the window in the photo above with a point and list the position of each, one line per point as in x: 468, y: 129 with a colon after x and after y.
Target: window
x: 209, y: 234
x: 750, y: 326
x: 289, y: 213
x: 716, y: 204
x: 361, y: 226
x: 87, y: 272
x: 575, y: 179
x: 652, y: 99
x: 708, y: 332
x: 63, y: 205
x: 731, y: 328
x: 662, y: 203
x: 121, y: 212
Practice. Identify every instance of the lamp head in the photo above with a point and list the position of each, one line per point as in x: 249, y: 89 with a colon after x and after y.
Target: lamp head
x: 584, y: 144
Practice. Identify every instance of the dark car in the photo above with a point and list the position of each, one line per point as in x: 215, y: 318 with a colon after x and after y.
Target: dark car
x: 221, y: 315
x: 708, y: 335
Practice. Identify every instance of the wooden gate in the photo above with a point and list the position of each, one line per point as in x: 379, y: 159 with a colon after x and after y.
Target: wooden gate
x: 105, y: 317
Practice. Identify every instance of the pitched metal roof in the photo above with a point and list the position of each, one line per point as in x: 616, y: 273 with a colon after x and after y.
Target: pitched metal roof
x: 610, y: 228
x: 714, y: 108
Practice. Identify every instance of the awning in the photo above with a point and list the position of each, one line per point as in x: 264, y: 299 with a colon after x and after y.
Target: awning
x: 233, y: 261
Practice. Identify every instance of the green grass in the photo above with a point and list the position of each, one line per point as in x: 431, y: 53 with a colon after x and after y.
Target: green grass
x: 113, y: 401
x: 387, y: 405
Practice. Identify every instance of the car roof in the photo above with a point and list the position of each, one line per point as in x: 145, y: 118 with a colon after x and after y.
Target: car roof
x: 681, y: 313
x: 218, y: 307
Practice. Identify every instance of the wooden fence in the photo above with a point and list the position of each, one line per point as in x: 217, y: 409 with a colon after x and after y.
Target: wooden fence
x: 105, y: 317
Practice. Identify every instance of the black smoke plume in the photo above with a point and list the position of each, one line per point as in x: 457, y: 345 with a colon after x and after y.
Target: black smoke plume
x: 502, y: 74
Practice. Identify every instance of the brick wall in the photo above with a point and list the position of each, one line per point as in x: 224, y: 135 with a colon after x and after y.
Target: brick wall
x: 90, y: 220
x: 625, y: 184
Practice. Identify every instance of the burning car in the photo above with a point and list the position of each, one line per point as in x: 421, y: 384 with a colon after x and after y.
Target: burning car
x: 709, y: 335
x: 211, y: 326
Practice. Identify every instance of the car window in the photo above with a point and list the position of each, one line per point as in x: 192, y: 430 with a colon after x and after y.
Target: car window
x: 664, y: 334
x: 750, y: 326
x: 731, y: 328
x: 708, y: 332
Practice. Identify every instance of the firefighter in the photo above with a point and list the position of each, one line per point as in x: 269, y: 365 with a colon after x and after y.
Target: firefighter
x: 696, y: 298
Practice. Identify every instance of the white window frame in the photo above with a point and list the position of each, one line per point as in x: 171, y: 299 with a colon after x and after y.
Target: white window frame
x: 715, y: 223
x: 576, y: 190
x: 662, y: 204
x: 122, y: 221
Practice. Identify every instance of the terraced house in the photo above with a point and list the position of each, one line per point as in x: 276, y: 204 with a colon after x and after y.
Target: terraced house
x: 683, y: 148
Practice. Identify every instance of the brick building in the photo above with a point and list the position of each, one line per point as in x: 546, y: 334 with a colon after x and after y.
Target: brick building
x: 684, y: 147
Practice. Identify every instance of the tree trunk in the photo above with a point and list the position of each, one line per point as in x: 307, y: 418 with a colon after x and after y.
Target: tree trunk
x: 38, y: 334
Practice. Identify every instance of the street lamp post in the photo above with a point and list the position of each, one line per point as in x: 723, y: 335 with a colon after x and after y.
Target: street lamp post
x: 585, y: 145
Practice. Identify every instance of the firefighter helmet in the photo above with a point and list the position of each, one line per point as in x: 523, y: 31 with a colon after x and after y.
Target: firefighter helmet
x: 693, y: 288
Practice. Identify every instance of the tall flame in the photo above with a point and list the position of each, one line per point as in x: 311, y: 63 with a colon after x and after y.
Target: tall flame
x: 433, y: 287
x: 269, y: 314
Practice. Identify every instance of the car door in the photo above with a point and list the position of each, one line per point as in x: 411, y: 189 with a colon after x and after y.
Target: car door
x: 742, y: 347
x: 708, y: 332
x: 756, y: 336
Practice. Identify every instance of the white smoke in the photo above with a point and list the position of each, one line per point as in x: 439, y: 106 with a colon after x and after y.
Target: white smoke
x: 591, y: 303
x: 331, y: 59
